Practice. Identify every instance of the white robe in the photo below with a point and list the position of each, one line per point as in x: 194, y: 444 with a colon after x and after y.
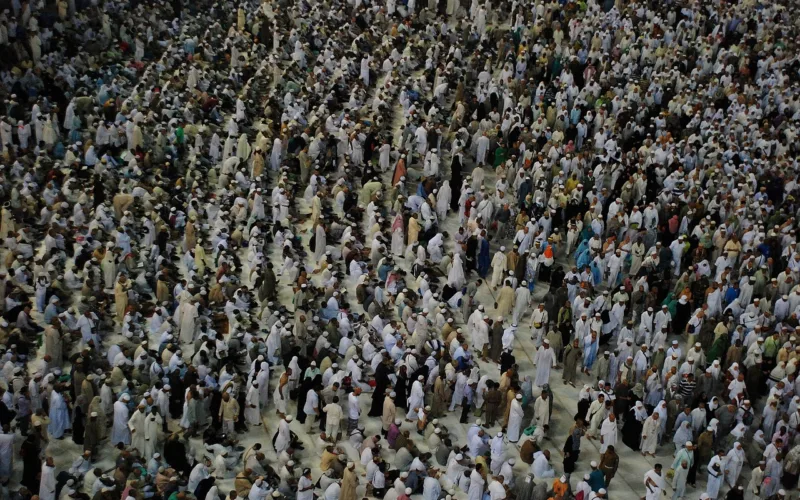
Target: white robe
x: 284, y: 437
x: 455, y: 277
x: 515, y: 416
x: 476, y: 486
x: 733, y: 463
x: 263, y: 383
x: 152, y: 434
x: 319, y: 244
x: 541, y: 412
x: 498, y: 268
x: 252, y: 415
x: 416, y: 399
x: 119, y: 431
x: 714, y: 477
x: 136, y: 426
x: 545, y: 360
x: 187, y: 323
x: 522, y: 302
x: 650, y: 431
x: 653, y: 491
x: 47, y: 484
x: 608, y: 434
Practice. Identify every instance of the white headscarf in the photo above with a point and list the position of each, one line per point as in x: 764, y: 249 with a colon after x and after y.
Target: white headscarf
x: 639, y: 411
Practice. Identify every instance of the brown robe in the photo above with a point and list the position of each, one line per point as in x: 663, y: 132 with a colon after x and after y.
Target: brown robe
x: 162, y: 292
x: 349, y: 485
x: 505, y: 383
x: 609, y: 461
x: 190, y: 239
x: 439, y: 403
x: 734, y: 355
x: 492, y: 405
x: 91, y: 435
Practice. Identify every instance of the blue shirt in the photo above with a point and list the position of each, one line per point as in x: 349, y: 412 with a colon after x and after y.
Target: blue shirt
x: 597, y: 480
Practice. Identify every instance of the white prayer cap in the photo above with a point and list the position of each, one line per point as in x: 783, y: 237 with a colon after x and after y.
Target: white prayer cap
x: 593, y: 464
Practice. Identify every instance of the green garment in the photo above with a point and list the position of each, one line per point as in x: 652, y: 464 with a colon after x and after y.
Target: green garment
x: 500, y: 155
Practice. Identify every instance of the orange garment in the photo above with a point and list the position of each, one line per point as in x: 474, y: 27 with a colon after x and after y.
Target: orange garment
x: 559, y: 488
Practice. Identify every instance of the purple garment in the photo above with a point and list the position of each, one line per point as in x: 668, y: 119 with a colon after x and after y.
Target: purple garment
x: 391, y: 435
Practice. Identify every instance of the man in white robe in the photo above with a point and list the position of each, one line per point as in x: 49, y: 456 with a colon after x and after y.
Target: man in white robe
x: 539, y: 320
x: 188, y: 316
x: 522, y: 301
x: 199, y: 472
x: 59, y: 415
x: 650, y: 430
x: 498, y: 267
x: 541, y: 410
x: 417, y: 398
x: 120, y: 433
x: 319, y: 244
x: 47, y: 483
x: 515, y: 415
x: 153, y: 426
x: 284, y: 437
x: 608, y: 432
x: 480, y: 338
x: 476, y: 485
x: 498, y: 452
x: 483, y: 144
x: 716, y: 473
x: 263, y: 383
x: 653, y: 483
x: 541, y: 467
x: 544, y: 360
x: 136, y: 427
x: 252, y: 407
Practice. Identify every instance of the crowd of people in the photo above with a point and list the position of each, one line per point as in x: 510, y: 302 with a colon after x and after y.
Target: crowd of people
x: 270, y: 249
